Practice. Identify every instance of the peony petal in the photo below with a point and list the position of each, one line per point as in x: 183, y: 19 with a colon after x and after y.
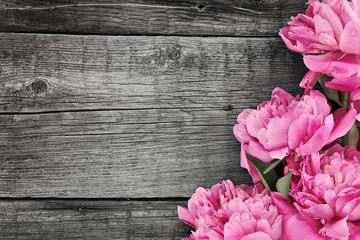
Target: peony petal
x: 276, y: 228
x: 320, y: 211
x: 350, y: 39
x: 253, y: 236
x: 309, y: 80
x: 316, y: 142
x: 258, y: 151
x: 263, y: 226
x: 245, y: 163
x: 301, y: 227
x: 343, y: 124
x: 331, y: 17
x: 298, y: 131
x: 338, y: 229
x: 344, y: 84
x: 185, y: 216
x: 354, y: 228
x: 280, y: 153
x: 277, y: 130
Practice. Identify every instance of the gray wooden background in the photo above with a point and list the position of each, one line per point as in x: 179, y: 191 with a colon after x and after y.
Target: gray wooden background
x: 114, y: 111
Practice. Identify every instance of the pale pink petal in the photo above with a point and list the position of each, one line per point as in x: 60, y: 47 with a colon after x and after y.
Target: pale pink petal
x: 297, y: 131
x: 253, y: 236
x: 280, y: 153
x: 258, y: 151
x: 245, y: 163
x: 185, y: 216
x: 350, y: 39
x: 316, y: 142
x: 331, y: 17
x: 338, y: 229
x: 320, y: 211
x: 322, y: 26
x: 276, y: 230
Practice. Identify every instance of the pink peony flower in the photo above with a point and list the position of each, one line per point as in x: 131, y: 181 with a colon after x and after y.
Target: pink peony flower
x: 289, y: 126
x: 331, y: 27
x: 232, y: 213
x: 327, y: 198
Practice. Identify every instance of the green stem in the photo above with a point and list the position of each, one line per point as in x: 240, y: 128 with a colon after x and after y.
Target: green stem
x: 345, y: 100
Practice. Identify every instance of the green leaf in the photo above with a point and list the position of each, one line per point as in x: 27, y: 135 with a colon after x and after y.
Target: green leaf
x: 272, y: 165
x: 352, y: 137
x: 269, y: 179
x: 283, y: 184
x: 330, y: 93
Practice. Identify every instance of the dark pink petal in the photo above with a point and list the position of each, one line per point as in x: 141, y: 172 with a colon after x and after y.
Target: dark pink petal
x: 321, y: 63
x: 344, y: 84
x: 343, y: 124
x: 309, y: 80
x: 354, y: 228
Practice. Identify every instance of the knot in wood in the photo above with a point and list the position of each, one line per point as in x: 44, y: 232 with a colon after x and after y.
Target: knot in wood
x: 260, y: 2
x: 228, y: 108
x: 201, y: 7
x: 174, y: 53
x: 39, y: 86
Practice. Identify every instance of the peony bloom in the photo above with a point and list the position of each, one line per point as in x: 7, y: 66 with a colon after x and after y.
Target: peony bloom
x: 289, y: 126
x: 327, y: 198
x: 332, y: 28
x: 232, y: 213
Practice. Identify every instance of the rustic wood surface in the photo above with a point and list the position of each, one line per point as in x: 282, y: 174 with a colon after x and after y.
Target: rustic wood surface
x: 101, y: 137
x: 64, y: 219
x: 131, y: 121
x: 150, y: 17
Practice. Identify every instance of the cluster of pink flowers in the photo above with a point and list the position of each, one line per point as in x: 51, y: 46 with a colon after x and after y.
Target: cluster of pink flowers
x: 301, y: 154
x: 232, y: 212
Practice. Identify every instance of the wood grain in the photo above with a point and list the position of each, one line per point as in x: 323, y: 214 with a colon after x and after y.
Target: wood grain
x: 101, y: 116
x: 56, y: 219
x: 150, y: 17
x: 61, y: 72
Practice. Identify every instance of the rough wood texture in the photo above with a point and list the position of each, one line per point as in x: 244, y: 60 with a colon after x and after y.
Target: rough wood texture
x: 87, y: 116
x: 154, y: 17
x: 62, y: 72
x: 55, y: 219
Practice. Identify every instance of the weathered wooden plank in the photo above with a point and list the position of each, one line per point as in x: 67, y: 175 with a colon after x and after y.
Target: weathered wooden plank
x: 95, y: 116
x: 55, y: 219
x: 133, y: 153
x: 154, y: 17
x: 62, y: 72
